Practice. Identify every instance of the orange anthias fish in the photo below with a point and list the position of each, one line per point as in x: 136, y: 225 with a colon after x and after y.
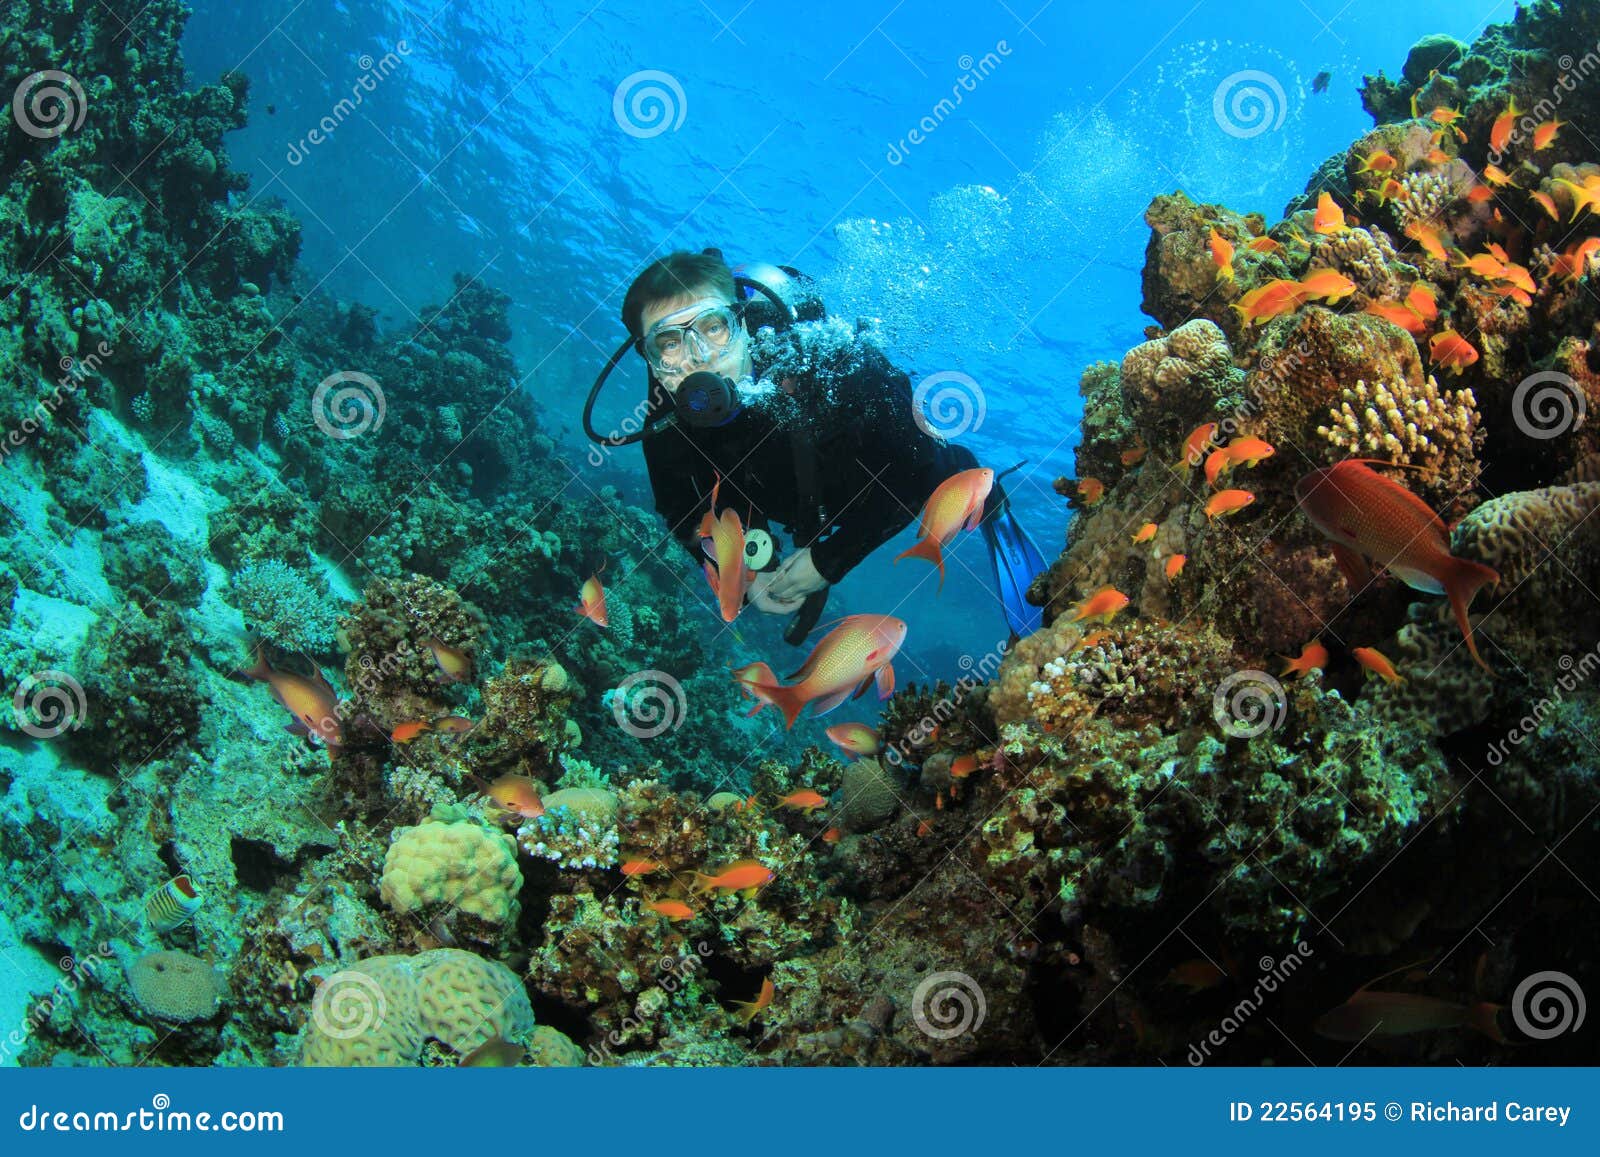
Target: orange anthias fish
x: 1228, y: 502
x: 1145, y: 533
x: 1103, y: 606
x: 1195, y: 975
x: 671, y: 909
x: 1546, y: 202
x: 722, y: 538
x: 1429, y: 237
x: 955, y: 504
x: 1247, y: 451
x: 1274, y: 299
x: 454, y: 664
x: 1496, y: 176
x: 1574, y: 263
x: 517, y: 793
x: 1194, y: 446
x: 1400, y: 315
x: 592, y: 600
x: 750, y: 1009
x: 741, y: 876
x: 1545, y: 135
x: 312, y: 701
x: 1093, y: 639
x: 854, y: 739
x: 1451, y: 351
x: 1313, y: 657
x: 406, y: 732
x: 804, y: 800
x: 1378, y: 161
x: 1384, y: 1014
x: 856, y: 653
x: 1584, y: 196
x: 1091, y: 490
x: 1368, y: 516
x: 453, y: 725
x: 751, y: 678
x: 1326, y: 284
x: 1222, y: 255
x: 1133, y: 455
x: 1264, y: 245
x: 1485, y: 265
x: 1329, y: 218
x: 831, y: 836
x: 1174, y: 566
x: 639, y: 867
x: 1448, y: 117
x: 1378, y: 663
x: 1421, y: 301
x: 1500, y: 131
x: 963, y: 766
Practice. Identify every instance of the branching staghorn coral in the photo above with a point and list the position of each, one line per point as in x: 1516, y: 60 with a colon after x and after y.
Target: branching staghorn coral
x: 1415, y: 425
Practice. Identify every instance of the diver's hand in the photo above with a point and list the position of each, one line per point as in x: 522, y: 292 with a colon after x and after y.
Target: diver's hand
x: 795, y: 578
x: 760, y: 597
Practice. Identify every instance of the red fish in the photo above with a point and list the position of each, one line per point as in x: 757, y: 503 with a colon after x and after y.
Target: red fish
x: 1313, y: 657
x: 1091, y: 490
x: 1103, y: 605
x: 1145, y: 533
x: 722, y: 538
x: 750, y: 1009
x: 852, y: 656
x: 1196, y: 444
x: 963, y: 766
x: 1227, y: 502
x: 854, y: 739
x: 671, y: 909
x: 741, y: 876
x: 454, y: 664
x: 1222, y: 255
x: 1500, y: 131
x: 955, y: 504
x: 1366, y: 515
x: 805, y: 800
x: 750, y: 678
x: 1368, y: 1014
x: 592, y: 600
x: 312, y: 701
x: 1329, y: 218
x: 406, y: 732
x: 1378, y: 663
x: 517, y: 793
x: 1451, y: 351
x: 1174, y: 566
x: 639, y: 867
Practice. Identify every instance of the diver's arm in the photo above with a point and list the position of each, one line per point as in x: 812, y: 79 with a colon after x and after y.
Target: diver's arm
x: 672, y: 478
x: 890, y: 460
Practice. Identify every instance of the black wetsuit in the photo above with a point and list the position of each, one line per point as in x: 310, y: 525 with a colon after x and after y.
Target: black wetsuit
x: 874, y: 466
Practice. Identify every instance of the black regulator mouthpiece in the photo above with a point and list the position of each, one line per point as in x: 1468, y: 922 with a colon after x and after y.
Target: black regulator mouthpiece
x: 706, y: 399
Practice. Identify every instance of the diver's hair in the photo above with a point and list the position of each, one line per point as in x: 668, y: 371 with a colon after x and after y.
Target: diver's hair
x: 677, y: 274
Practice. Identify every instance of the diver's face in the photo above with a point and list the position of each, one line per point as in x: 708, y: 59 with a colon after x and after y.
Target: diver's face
x: 726, y: 353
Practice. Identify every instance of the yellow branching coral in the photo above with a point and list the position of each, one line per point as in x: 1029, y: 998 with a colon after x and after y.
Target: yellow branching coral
x: 1415, y: 425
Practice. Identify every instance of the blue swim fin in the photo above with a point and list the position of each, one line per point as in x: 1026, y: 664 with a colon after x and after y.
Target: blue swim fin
x: 1016, y: 561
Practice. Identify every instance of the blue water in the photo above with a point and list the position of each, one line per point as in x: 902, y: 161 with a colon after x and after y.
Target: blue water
x: 1005, y: 246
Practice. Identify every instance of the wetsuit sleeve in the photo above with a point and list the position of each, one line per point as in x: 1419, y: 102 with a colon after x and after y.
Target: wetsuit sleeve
x: 675, y: 469
x: 881, y: 470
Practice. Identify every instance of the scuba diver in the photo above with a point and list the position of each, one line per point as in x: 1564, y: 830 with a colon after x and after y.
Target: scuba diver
x: 819, y: 437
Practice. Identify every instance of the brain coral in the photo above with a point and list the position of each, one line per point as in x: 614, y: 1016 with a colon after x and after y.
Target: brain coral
x: 175, y: 986
x: 1168, y: 381
x: 457, y: 863
x: 868, y: 796
x: 383, y: 1010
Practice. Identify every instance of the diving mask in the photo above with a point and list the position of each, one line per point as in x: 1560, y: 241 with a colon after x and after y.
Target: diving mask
x: 702, y: 334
